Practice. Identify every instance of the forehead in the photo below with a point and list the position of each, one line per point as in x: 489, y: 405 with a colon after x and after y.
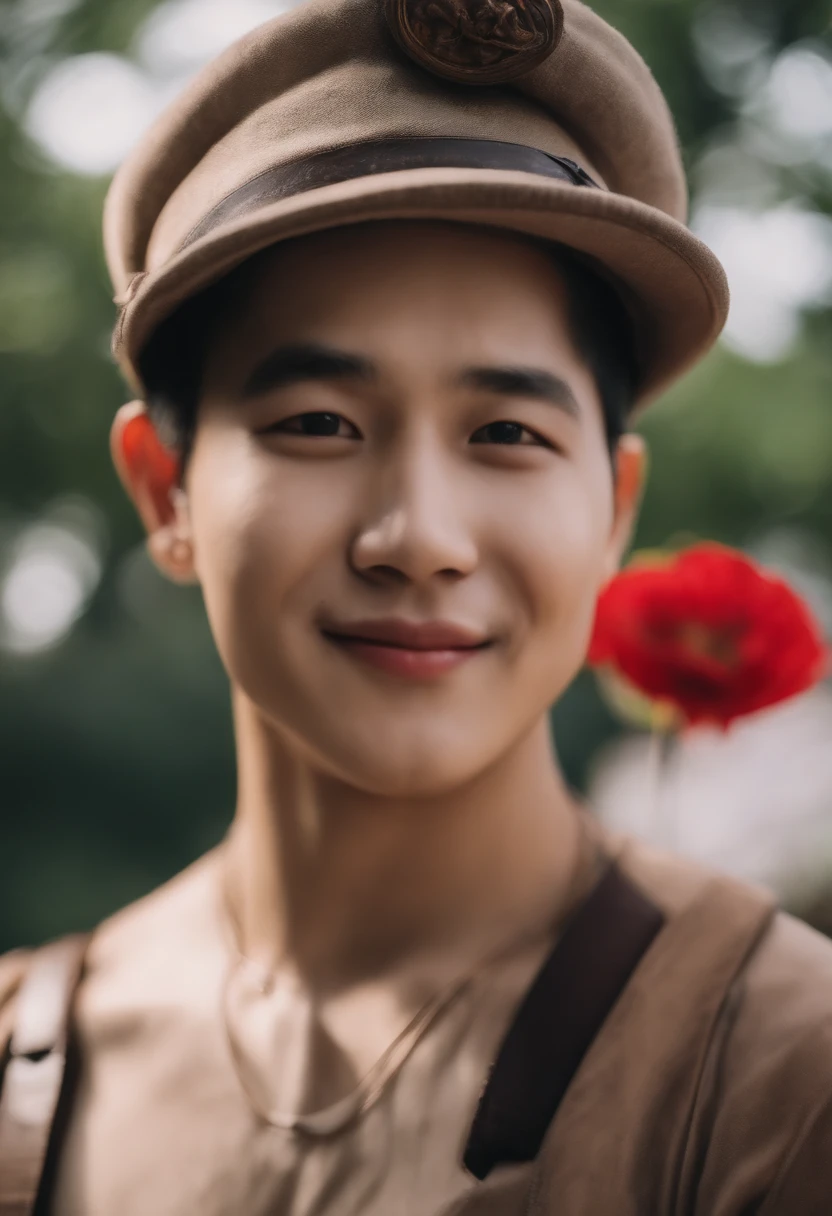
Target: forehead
x: 389, y: 288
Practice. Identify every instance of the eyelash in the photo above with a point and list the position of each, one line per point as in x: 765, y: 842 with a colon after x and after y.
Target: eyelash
x: 538, y: 440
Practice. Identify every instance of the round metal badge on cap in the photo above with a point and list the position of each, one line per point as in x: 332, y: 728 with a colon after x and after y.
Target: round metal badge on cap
x: 476, y: 41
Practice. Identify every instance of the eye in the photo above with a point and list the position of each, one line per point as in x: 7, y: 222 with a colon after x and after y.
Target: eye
x: 511, y: 433
x: 317, y: 424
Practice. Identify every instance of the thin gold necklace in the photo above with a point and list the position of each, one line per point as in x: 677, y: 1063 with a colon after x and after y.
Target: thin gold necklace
x: 347, y: 1110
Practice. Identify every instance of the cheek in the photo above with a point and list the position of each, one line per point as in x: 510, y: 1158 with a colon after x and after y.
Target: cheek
x: 556, y: 555
x: 263, y: 530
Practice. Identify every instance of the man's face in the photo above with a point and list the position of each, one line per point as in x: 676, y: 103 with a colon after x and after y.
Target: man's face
x: 397, y: 430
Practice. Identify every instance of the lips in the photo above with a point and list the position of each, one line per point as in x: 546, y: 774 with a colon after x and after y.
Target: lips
x: 419, y: 650
x: 411, y: 635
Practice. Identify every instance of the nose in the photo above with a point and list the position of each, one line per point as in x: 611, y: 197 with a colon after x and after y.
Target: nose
x: 417, y: 527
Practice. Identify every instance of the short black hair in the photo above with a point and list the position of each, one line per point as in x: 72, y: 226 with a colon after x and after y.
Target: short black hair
x: 172, y: 363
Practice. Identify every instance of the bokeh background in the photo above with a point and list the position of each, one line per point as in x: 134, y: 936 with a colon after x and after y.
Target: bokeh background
x: 116, y: 755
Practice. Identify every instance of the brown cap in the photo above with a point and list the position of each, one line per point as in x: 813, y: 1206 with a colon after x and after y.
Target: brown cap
x: 521, y: 114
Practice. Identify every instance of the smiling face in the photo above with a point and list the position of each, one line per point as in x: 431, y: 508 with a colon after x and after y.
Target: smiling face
x: 401, y: 499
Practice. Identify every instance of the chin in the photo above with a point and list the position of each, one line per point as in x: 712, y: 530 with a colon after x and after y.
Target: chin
x: 414, y: 783
x: 389, y: 766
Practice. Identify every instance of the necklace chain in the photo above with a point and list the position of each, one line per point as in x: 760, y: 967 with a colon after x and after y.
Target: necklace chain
x: 347, y: 1110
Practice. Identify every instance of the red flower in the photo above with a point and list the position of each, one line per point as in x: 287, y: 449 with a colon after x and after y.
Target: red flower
x: 708, y: 632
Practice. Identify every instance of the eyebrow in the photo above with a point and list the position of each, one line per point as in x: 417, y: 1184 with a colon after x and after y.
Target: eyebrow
x: 306, y: 361
x: 523, y: 382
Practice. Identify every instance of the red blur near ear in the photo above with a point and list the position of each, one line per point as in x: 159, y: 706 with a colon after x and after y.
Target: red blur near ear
x: 144, y: 451
x: 148, y: 469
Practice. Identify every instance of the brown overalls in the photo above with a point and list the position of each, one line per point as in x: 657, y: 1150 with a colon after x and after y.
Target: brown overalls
x: 673, y: 1055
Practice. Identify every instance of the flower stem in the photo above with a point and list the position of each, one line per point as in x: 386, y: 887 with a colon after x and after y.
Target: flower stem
x: 661, y: 827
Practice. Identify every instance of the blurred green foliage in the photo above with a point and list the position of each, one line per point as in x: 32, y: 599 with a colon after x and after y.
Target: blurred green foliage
x: 116, y: 753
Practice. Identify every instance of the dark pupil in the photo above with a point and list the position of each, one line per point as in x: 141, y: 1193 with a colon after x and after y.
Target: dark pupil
x: 319, y: 424
x: 503, y: 432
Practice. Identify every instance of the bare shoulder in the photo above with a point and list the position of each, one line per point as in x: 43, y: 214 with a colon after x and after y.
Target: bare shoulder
x: 159, y: 950
x: 154, y: 951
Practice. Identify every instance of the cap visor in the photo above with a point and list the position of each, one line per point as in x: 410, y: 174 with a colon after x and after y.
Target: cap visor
x: 672, y: 284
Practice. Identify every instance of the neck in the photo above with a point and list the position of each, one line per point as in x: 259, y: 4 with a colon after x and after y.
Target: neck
x: 345, y: 886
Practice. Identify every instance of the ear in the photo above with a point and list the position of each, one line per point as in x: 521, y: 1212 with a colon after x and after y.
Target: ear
x: 149, y: 473
x: 631, y: 461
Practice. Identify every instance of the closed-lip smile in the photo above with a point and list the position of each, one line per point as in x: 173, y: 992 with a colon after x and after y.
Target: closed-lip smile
x: 415, y: 649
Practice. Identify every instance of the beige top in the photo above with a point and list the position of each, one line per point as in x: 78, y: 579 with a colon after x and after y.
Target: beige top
x: 162, y: 1123
x: 707, y: 1091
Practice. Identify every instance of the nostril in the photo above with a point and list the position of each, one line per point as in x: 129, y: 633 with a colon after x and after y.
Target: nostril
x: 383, y: 573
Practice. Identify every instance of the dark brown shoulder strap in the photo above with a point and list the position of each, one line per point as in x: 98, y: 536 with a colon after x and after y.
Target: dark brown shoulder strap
x: 35, y: 1070
x: 591, y: 964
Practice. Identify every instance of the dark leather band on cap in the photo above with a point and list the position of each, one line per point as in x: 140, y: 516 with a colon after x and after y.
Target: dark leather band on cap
x: 385, y: 156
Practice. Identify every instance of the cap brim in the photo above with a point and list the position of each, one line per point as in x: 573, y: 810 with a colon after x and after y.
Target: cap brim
x: 673, y: 285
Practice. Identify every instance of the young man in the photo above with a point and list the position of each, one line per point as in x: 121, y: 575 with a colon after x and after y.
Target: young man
x: 391, y: 284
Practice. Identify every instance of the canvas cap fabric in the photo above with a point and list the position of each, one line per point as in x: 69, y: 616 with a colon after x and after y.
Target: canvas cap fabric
x: 320, y: 119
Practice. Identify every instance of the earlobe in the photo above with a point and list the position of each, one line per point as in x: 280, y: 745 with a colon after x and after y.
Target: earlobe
x: 149, y: 473
x: 171, y: 546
